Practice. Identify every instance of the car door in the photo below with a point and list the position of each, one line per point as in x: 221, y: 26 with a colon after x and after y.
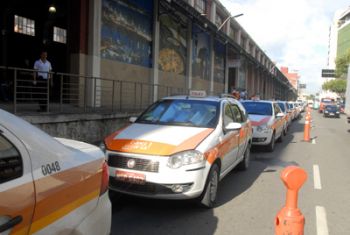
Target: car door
x: 243, y: 132
x: 279, y: 122
x: 17, y: 196
x: 229, y: 143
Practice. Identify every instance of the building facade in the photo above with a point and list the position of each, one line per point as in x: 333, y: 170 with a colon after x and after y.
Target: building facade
x: 154, y: 47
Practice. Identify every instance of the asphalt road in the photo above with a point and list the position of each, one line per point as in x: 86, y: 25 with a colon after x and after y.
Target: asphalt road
x: 249, y: 201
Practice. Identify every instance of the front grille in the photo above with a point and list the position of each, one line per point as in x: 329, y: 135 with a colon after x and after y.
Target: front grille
x: 116, y: 160
x: 147, y: 188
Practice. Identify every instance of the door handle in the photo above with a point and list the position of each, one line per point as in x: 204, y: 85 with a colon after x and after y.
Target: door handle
x: 11, y: 223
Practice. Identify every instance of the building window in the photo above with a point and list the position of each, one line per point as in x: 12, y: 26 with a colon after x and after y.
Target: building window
x: 59, y: 35
x: 200, y: 5
x: 24, y: 26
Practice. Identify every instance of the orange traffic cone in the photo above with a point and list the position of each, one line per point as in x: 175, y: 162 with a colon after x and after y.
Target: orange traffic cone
x: 307, y: 128
x: 289, y: 219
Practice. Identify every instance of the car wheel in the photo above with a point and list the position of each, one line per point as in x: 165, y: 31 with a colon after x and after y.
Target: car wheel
x: 244, y: 164
x: 280, y: 139
x: 208, y: 197
x: 271, y: 145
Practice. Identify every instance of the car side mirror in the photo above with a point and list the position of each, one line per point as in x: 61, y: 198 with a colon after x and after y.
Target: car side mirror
x: 132, y: 119
x: 280, y: 115
x: 232, y: 126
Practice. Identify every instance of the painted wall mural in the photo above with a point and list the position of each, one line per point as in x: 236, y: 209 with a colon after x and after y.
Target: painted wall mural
x: 201, y: 53
x: 126, y: 34
x: 219, y: 62
x: 173, y: 43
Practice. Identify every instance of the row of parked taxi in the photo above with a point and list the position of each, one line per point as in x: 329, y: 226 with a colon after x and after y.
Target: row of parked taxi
x: 182, y: 146
x: 178, y: 148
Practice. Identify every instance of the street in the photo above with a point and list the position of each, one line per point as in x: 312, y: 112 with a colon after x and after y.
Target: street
x: 249, y: 201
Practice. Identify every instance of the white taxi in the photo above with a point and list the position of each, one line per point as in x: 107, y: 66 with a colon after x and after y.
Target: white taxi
x: 267, y: 120
x: 179, y: 148
x: 50, y: 186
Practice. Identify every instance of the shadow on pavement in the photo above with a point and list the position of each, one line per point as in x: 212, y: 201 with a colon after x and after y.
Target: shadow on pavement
x: 132, y: 215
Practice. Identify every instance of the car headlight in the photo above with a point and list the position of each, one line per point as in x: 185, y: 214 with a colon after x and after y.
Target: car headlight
x: 185, y: 158
x: 326, y: 111
x: 262, y: 128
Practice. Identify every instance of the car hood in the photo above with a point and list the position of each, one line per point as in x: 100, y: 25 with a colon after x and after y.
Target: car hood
x: 258, y: 120
x: 156, y: 139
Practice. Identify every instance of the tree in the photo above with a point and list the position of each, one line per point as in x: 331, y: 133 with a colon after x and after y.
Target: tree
x: 342, y: 64
x: 336, y: 85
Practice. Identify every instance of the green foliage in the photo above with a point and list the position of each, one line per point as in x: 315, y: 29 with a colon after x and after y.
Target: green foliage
x: 311, y: 97
x: 336, y: 85
x: 342, y: 65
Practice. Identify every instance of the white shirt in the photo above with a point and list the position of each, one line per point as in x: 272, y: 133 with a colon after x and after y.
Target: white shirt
x: 43, y: 67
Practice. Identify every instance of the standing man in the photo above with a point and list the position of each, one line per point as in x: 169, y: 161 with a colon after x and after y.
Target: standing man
x: 41, y: 79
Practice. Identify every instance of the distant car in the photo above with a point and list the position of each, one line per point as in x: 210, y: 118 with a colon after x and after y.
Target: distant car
x: 50, y: 186
x: 331, y: 111
x: 179, y: 148
x: 267, y: 120
x: 287, y: 115
x: 324, y: 102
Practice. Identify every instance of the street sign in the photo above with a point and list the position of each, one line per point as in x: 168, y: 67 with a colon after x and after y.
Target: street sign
x: 328, y: 73
x: 302, y: 86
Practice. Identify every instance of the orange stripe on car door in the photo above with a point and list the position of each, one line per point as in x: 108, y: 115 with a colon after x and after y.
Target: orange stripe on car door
x: 222, y: 148
x: 61, y: 193
x: 18, y: 201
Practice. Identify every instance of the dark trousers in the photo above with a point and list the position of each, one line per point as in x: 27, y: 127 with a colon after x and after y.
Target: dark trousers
x: 41, y: 93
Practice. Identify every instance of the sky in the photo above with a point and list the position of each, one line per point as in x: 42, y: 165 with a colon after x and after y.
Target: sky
x: 293, y: 33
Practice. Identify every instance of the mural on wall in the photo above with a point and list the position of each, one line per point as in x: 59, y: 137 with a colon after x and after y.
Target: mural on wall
x: 219, y: 62
x: 201, y: 53
x: 173, y: 43
x: 126, y: 34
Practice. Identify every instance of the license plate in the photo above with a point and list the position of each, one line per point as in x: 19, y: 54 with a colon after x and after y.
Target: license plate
x: 130, y: 177
x: 332, y: 114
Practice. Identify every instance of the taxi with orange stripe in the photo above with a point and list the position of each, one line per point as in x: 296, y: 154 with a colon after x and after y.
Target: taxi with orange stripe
x: 180, y: 148
x: 267, y: 120
x: 48, y: 185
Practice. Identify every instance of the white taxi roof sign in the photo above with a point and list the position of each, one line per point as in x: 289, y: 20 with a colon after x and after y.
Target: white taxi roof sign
x: 198, y: 93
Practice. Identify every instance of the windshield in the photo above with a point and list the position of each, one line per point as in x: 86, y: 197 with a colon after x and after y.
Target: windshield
x: 282, y: 106
x: 331, y: 108
x: 258, y: 108
x: 194, y: 113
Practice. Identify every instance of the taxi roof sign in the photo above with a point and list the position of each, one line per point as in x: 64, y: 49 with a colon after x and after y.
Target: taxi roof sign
x: 198, y: 93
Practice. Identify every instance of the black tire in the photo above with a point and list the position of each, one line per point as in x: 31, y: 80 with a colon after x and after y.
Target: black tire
x: 244, y: 164
x: 280, y: 139
x: 208, y: 197
x: 113, y: 195
x: 271, y: 146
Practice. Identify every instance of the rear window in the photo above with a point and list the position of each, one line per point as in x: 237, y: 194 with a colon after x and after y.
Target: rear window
x: 258, y: 108
x: 331, y: 108
x: 327, y: 100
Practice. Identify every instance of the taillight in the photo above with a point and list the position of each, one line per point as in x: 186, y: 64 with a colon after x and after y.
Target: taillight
x: 105, y: 178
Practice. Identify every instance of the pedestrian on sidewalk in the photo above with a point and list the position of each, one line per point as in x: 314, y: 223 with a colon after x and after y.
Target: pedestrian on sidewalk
x: 41, y: 78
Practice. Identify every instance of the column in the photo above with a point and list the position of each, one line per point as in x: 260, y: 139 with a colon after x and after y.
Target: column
x: 212, y: 60
x: 189, y: 56
x: 226, y: 68
x: 94, y: 59
x: 155, y: 51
